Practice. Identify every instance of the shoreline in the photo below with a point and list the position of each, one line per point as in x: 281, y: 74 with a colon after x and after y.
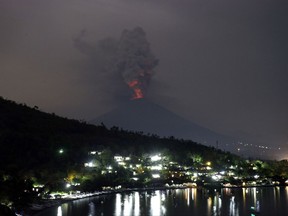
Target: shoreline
x: 33, y: 212
x: 57, y: 202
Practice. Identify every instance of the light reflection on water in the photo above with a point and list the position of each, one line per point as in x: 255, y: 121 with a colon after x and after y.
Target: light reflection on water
x: 59, y: 211
x: 91, y: 209
x: 127, y: 204
x: 192, y: 201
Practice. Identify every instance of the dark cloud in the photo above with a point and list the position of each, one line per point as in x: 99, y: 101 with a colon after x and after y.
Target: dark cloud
x: 223, y: 63
x: 127, y: 59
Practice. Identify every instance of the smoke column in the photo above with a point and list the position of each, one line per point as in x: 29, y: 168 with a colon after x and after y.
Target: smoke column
x: 135, y: 61
x: 130, y: 57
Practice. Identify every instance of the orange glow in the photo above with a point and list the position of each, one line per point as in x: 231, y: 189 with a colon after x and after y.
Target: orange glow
x: 137, y: 94
x: 133, y: 83
x: 137, y: 91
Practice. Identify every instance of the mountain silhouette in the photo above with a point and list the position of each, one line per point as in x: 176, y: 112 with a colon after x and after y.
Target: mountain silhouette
x: 148, y: 117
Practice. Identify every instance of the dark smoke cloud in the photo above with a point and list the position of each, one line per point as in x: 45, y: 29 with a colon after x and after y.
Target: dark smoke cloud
x: 135, y: 61
x: 130, y: 57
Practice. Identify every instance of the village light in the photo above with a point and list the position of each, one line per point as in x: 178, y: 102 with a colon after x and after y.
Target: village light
x: 216, y: 177
x: 156, y: 158
x: 122, y: 163
x: 156, y: 167
x: 89, y: 164
x: 118, y: 158
x: 155, y: 175
x: 61, y: 151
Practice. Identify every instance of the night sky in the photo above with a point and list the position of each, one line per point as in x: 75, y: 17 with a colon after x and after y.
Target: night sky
x: 222, y: 63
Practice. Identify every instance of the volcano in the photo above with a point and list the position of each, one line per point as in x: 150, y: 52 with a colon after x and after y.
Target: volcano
x: 148, y: 117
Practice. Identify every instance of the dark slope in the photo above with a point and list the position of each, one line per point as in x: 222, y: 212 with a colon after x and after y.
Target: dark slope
x: 31, y: 139
x: 143, y: 115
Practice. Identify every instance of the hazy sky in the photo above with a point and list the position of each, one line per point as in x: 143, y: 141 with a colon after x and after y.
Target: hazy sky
x: 222, y: 63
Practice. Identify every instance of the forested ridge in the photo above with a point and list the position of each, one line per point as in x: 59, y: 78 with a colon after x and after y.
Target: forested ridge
x: 29, y: 139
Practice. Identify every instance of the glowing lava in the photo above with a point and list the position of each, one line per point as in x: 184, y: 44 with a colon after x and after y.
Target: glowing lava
x: 138, y: 93
x: 135, y: 61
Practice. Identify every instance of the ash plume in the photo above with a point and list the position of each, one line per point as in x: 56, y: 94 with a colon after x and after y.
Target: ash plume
x: 135, y: 61
x: 130, y: 57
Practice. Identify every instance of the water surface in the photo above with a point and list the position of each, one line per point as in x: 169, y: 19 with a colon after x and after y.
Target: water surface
x: 265, y: 201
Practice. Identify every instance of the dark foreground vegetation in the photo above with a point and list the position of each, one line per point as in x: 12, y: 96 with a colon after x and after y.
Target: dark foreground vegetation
x: 43, y: 156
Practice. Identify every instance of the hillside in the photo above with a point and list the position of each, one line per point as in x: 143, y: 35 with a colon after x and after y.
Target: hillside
x: 30, y: 140
x: 27, y: 134
x: 48, y: 150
